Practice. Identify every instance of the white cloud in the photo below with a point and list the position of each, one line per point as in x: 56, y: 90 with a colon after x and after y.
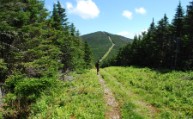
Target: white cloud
x: 141, y: 10
x: 86, y: 9
x: 126, y: 34
x: 127, y: 14
x: 131, y: 34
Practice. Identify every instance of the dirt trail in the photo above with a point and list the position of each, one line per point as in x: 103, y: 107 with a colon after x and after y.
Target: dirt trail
x: 113, y: 110
x: 142, y: 106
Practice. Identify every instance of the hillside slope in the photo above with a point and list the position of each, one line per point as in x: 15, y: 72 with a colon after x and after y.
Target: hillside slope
x: 100, y: 44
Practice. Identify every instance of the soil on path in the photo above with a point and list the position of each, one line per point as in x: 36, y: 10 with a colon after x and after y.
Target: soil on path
x: 113, y: 110
x: 142, y: 105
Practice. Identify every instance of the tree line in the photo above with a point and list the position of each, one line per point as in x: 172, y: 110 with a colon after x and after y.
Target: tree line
x: 35, y: 47
x: 35, y: 43
x: 165, y: 45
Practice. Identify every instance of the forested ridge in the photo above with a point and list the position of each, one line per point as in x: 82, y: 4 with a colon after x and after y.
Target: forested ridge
x: 99, y: 43
x: 164, y: 45
x: 36, y: 47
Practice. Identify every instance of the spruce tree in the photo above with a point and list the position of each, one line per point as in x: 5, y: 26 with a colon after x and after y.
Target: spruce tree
x: 33, y: 48
x: 87, y: 55
x: 72, y: 30
x: 152, y: 28
x: 189, y: 21
x: 163, y: 41
x: 60, y: 20
x: 62, y: 14
x: 164, y: 45
x: 149, y: 45
x: 56, y: 18
x: 177, y: 30
x: 189, y: 36
x: 178, y: 23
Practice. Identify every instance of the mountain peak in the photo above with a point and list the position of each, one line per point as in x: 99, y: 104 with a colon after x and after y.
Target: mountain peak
x: 100, y: 43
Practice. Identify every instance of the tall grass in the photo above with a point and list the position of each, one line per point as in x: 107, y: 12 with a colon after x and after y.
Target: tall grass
x: 80, y: 98
x: 171, y: 94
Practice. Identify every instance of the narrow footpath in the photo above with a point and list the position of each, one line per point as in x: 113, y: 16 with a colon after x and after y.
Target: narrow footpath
x: 113, y: 110
x: 141, y: 105
x: 113, y: 107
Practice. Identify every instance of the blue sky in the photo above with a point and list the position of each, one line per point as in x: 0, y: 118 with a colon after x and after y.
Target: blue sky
x: 124, y: 17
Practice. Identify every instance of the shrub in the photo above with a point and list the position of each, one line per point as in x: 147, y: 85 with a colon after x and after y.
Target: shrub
x: 22, y: 92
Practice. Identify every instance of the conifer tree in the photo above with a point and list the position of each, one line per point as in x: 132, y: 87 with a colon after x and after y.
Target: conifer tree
x: 163, y: 40
x: 72, y: 30
x: 62, y: 14
x: 152, y: 28
x: 165, y: 45
x: 189, y: 21
x: 34, y: 47
x: 56, y: 18
x: 178, y: 21
x: 177, y: 27
x: 60, y: 20
x: 152, y: 47
x: 189, y: 36
x: 87, y: 55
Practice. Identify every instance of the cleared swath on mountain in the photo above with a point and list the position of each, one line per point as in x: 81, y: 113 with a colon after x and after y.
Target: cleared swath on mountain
x: 100, y: 43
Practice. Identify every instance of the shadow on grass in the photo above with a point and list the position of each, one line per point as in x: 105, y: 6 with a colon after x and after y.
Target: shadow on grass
x: 156, y: 69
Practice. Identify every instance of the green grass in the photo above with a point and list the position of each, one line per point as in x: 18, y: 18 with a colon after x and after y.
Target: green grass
x: 142, y: 93
x: 81, y: 98
x: 170, y: 95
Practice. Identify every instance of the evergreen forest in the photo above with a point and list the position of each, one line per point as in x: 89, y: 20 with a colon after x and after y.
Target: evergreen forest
x: 165, y: 45
x: 36, y: 47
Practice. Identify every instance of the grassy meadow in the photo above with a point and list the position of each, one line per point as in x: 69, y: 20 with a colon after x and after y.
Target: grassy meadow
x: 80, y: 98
x: 145, y: 93
x: 142, y: 93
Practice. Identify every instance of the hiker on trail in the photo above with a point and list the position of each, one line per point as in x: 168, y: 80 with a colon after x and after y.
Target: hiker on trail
x: 97, y: 67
